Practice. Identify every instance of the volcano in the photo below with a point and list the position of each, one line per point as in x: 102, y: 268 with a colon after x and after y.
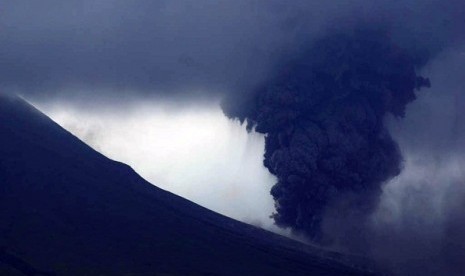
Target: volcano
x: 66, y: 209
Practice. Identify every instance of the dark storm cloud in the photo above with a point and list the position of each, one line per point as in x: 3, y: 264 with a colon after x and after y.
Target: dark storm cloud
x: 136, y: 47
x: 189, y: 48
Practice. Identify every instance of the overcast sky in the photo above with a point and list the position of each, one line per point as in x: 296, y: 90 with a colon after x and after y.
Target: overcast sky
x: 186, y: 49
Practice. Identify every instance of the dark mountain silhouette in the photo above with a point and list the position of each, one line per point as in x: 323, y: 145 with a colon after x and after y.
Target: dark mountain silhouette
x: 65, y: 209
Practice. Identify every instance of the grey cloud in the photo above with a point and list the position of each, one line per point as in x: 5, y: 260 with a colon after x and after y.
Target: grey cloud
x: 184, y: 48
x: 145, y: 46
x: 420, y: 222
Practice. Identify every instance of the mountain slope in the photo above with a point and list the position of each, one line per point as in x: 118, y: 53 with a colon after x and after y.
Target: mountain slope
x: 65, y: 209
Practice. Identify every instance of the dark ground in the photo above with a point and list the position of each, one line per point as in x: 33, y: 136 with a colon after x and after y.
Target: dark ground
x: 65, y: 209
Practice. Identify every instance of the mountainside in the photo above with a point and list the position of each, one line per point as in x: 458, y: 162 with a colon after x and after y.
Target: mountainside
x: 65, y: 209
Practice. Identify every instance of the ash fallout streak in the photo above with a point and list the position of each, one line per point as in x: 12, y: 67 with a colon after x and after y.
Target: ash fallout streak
x: 323, y: 119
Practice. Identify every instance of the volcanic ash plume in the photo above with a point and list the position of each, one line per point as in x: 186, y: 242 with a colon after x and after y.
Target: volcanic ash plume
x: 323, y: 119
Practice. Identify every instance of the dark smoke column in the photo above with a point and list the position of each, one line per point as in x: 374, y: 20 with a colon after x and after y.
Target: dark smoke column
x: 323, y: 119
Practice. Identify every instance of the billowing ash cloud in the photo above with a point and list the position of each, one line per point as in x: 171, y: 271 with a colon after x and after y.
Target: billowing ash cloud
x: 323, y: 120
